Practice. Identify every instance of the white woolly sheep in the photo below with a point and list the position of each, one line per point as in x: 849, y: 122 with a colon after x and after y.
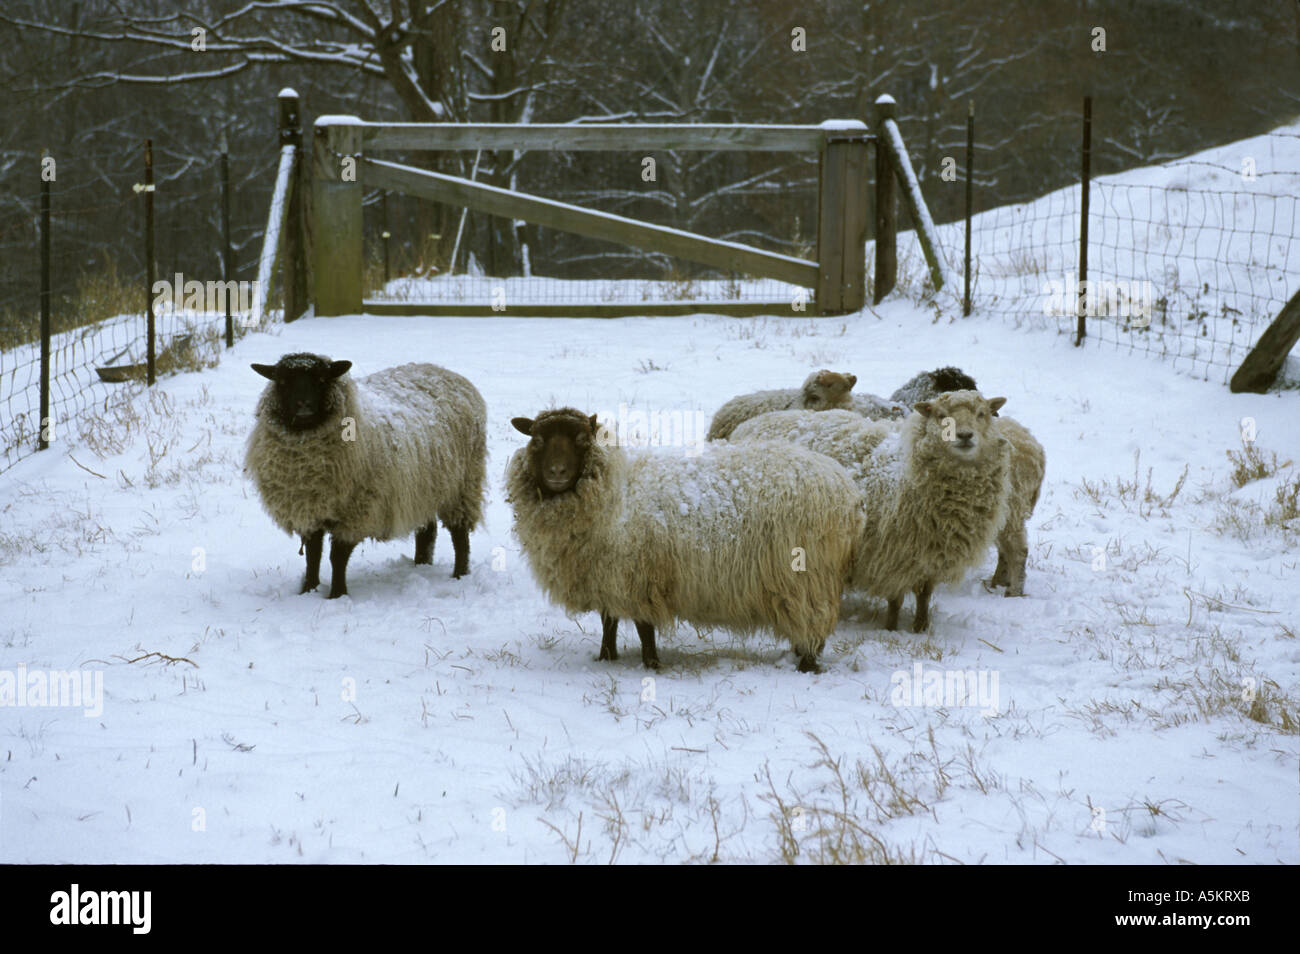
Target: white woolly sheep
x: 741, y: 537
x: 376, y: 458
x: 821, y: 390
x: 1028, y: 465
x: 936, y: 489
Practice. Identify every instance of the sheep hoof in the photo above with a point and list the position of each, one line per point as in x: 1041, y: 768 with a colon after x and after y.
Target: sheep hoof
x: 809, y: 664
x: 308, y: 586
x: 651, y: 663
x: 607, y: 654
x: 457, y: 573
x: 335, y: 594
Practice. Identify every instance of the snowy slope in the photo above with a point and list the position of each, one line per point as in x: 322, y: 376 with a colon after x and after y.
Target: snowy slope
x: 482, y: 729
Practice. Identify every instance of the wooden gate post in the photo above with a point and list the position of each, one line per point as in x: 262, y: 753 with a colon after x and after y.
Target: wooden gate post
x: 886, y: 207
x: 336, y: 215
x: 842, y: 218
x: 294, y: 269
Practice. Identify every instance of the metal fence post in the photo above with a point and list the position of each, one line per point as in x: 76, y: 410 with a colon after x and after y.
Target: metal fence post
x: 148, y: 258
x: 970, y: 166
x: 227, y: 250
x: 46, y: 429
x: 1082, y: 306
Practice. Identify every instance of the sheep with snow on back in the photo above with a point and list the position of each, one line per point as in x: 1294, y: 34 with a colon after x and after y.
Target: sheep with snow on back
x: 741, y: 537
x: 928, y: 385
x: 821, y: 390
x: 375, y: 458
x: 936, y: 489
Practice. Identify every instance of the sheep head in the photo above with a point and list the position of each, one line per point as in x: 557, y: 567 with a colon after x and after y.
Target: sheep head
x: 952, y: 379
x: 961, y: 422
x: 823, y: 390
x: 304, y: 392
x: 560, y: 447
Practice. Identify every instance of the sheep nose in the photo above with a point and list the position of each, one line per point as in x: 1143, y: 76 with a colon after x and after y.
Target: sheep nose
x: 557, y: 471
x: 965, y: 436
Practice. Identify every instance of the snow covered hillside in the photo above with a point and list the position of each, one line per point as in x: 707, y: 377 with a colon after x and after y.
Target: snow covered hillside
x: 1139, y: 705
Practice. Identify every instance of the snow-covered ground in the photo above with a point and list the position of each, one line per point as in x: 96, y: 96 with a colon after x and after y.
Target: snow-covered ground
x: 1146, y: 687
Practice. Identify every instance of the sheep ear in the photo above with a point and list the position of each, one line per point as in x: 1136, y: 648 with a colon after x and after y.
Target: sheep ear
x: 595, y: 424
x: 923, y: 408
x: 265, y: 370
x: 853, y: 379
x: 338, y: 368
x: 524, y: 425
x: 996, y: 403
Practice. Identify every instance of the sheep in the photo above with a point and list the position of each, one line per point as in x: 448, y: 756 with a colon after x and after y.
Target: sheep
x: 821, y: 390
x: 375, y: 458
x: 756, y: 537
x: 936, y: 489
x: 928, y: 385
x: 1028, y: 465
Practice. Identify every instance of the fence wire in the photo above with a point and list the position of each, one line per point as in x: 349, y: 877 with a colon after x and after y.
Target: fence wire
x: 1188, y: 261
x: 99, y: 292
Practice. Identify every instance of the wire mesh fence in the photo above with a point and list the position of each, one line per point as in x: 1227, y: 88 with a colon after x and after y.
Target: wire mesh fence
x: 99, y: 288
x: 1188, y: 261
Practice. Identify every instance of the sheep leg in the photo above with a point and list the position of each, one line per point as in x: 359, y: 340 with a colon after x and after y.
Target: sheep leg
x: 608, y: 637
x: 922, y: 620
x: 340, y: 552
x: 424, y: 538
x: 649, y: 655
x: 460, y: 544
x: 891, y: 617
x: 1013, y: 548
x: 1000, y: 574
x: 313, y: 543
x: 808, y: 662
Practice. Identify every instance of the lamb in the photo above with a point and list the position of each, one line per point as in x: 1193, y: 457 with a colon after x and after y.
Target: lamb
x: 375, y: 458
x: 821, y: 390
x: 754, y: 537
x: 936, y: 488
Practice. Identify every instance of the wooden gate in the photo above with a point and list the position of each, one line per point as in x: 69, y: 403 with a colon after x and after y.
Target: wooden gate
x: 344, y: 163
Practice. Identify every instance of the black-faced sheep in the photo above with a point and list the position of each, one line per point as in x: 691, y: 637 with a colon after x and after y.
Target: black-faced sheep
x: 821, y: 390
x: 928, y: 385
x: 741, y: 537
x: 376, y: 458
x: 936, y: 489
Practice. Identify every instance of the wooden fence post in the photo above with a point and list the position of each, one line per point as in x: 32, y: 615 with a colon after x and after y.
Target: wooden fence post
x: 842, y: 218
x: 336, y: 215
x: 1081, y: 307
x: 46, y: 429
x: 886, y: 207
x: 294, y: 271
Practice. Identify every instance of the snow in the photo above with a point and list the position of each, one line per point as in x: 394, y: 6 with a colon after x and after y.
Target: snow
x: 339, y: 120
x: 423, y: 718
x: 844, y: 125
x: 1145, y: 688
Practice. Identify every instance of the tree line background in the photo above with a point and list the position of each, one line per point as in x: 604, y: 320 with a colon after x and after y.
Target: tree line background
x: 89, y: 80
